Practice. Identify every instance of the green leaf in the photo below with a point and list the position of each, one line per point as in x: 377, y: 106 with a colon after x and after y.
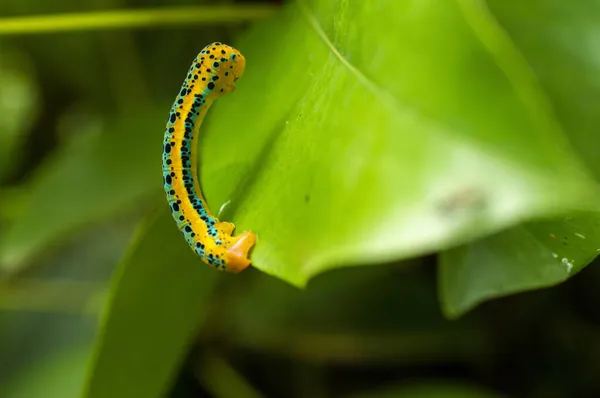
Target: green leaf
x: 358, y: 136
x: 158, y: 297
x: 552, y: 36
x: 61, y: 373
x: 89, y: 178
x: 18, y: 104
x: 526, y: 257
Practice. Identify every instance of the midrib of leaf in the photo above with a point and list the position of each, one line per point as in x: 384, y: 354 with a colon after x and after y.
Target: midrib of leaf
x: 396, y: 107
x: 386, y: 98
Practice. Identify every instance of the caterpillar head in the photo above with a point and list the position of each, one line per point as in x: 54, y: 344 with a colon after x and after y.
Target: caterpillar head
x: 227, y: 65
x: 236, y: 66
x: 238, y: 63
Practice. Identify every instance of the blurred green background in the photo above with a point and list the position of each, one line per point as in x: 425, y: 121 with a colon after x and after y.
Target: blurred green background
x: 422, y: 176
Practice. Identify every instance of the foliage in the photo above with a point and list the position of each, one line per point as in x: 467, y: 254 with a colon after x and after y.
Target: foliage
x: 363, y: 137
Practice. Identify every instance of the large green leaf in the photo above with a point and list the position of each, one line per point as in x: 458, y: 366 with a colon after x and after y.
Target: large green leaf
x: 89, y: 178
x: 60, y: 372
x: 18, y: 104
x: 158, y: 297
x: 554, y: 37
x: 365, y: 132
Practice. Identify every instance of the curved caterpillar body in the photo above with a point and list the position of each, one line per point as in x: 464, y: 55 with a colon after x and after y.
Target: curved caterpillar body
x: 212, y: 74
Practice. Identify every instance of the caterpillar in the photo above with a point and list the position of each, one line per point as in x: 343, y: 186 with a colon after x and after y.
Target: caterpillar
x: 212, y: 74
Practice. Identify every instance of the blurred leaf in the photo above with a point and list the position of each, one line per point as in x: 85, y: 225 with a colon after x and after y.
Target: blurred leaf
x: 55, y: 303
x: 360, y: 153
x: 55, y: 296
x: 13, y: 201
x: 432, y: 389
x: 223, y: 381
x: 158, y: 297
x: 58, y: 375
x: 343, y: 316
x: 556, y: 38
x: 526, y: 257
x: 19, y: 100
x: 88, y: 179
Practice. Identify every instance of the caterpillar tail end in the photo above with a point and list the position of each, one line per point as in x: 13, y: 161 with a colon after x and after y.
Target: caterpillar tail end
x: 237, y: 254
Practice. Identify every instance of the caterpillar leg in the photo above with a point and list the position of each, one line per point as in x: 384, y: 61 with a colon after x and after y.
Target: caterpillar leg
x: 236, y: 256
x: 226, y: 227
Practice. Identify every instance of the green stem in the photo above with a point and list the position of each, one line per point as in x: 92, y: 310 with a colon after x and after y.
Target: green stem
x: 134, y: 18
